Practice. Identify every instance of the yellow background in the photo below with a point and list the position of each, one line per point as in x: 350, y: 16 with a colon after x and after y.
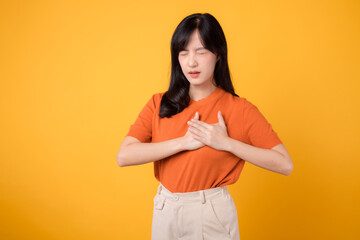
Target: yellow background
x: 74, y: 75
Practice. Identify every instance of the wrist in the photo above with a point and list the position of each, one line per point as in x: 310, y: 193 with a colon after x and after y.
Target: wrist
x: 227, y: 144
x: 180, y: 143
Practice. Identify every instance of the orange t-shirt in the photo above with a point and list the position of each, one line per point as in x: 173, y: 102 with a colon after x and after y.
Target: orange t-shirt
x: 204, y: 167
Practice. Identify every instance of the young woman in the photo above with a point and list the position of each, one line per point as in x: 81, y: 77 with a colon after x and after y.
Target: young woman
x: 199, y: 134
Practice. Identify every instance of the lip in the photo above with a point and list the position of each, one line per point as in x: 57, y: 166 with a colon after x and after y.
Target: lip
x: 194, y: 74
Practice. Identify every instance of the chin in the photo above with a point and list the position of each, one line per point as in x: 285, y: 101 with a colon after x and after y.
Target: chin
x: 198, y: 83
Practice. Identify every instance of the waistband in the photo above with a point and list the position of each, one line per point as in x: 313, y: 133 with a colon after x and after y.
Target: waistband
x: 191, y: 197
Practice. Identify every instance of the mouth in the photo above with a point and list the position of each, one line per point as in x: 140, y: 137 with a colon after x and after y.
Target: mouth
x: 194, y: 74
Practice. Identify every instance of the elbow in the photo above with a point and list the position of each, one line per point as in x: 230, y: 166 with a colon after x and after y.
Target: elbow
x: 124, y: 157
x: 120, y: 159
x: 288, y: 169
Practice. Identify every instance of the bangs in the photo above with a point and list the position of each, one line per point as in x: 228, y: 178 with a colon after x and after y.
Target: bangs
x: 181, y: 38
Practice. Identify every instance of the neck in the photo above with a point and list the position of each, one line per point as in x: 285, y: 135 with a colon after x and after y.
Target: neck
x: 199, y: 92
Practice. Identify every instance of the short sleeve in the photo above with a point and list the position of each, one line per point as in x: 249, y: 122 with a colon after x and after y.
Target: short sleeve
x: 142, y: 127
x: 257, y: 129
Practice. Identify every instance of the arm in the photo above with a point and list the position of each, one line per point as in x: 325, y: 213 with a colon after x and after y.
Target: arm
x: 134, y: 152
x: 276, y: 159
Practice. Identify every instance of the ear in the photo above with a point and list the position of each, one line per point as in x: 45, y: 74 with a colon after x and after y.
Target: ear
x: 218, y: 58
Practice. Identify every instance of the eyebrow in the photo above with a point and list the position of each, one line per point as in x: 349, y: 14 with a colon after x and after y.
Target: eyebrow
x: 199, y: 48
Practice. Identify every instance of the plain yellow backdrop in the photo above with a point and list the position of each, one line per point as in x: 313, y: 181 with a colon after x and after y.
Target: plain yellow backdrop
x: 74, y: 75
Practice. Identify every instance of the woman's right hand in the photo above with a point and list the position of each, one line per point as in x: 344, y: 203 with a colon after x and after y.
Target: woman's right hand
x: 189, y: 142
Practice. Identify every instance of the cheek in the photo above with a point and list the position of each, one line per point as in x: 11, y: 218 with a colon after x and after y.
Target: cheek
x: 210, y: 65
x: 181, y: 63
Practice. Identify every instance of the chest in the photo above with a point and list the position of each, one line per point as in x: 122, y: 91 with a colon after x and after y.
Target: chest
x: 169, y: 128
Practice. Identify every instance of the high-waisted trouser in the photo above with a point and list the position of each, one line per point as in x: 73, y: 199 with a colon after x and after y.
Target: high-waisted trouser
x: 207, y: 214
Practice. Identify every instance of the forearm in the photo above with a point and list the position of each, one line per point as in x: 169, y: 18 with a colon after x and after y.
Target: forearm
x: 269, y: 159
x: 141, y: 153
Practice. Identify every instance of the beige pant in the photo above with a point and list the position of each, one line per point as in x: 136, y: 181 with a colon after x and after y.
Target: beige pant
x: 206, y: 214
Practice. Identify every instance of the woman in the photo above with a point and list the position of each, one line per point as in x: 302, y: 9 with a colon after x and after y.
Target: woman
x: 199, y: 134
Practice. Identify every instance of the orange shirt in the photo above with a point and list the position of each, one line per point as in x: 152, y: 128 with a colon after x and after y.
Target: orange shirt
x: 205, y: 167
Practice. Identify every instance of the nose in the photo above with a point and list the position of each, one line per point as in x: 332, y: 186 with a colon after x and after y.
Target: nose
x: 192, y: 62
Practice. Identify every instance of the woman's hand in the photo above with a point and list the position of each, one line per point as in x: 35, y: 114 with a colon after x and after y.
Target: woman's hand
x: 213, y: 135
x: 189, y: 143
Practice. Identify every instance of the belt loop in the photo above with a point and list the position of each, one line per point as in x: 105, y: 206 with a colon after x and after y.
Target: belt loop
x: 202, y: 196
x: 159, y: 188
x: 226, y: 193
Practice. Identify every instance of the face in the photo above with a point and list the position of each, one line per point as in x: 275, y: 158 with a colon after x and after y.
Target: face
x: 197, y: 62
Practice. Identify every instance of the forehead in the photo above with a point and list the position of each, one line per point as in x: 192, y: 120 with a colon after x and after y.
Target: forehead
x: 194, y: 40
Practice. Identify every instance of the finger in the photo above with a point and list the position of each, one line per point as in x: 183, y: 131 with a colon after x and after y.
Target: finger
x: 198, y: 127
x: 198, y: 138
x: 196, y: 116
x: 221, y: 119
x: 201, y: 123
x: 196, y: 131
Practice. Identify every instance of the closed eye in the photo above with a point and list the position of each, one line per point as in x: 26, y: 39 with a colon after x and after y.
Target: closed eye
x: 183, y: 53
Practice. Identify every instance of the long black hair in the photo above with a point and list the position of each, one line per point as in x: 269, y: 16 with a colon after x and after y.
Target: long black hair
x: 177, y: 98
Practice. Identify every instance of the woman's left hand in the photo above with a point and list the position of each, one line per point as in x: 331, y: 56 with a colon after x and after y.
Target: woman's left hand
x: 213, y: 135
